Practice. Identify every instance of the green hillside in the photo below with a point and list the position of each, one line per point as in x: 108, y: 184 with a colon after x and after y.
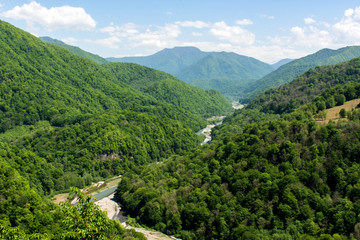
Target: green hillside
x: 164, y: 87
x: 167, y: 60
x: 289, y: 71
x: 264, y: 176
x: 96, y: 58
x: 25, y: 215
x: 228, y: 73
x: 67, y: 122
x: 47, y: 82
x: 308, y: 86
x: 225, y: 65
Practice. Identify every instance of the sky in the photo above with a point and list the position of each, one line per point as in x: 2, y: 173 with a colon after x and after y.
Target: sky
x: 263, y: 29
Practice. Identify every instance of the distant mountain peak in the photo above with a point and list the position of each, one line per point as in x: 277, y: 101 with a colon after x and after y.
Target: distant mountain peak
x: 51, y: 40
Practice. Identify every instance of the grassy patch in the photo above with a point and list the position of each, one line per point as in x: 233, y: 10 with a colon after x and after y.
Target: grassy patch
x: 23, y: 131
x: 333, y: 113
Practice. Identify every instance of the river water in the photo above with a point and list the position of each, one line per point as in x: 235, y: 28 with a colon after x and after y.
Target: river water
x: 207, y: 131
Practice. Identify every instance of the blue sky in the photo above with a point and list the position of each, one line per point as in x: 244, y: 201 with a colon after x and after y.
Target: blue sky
x: 266, y: 30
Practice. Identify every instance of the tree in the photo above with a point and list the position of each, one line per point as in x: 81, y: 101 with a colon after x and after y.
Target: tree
x: 86, y: 220
x: 343, y: 113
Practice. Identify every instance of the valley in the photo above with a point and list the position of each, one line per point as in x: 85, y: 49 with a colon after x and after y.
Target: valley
x: 276, y: 162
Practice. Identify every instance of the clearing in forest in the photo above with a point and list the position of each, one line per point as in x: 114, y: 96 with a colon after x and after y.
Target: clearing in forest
x: 333, y: 113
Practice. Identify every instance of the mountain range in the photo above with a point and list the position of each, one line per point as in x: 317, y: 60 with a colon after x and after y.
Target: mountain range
x: 207, y: 70
x: 271, y: 171
x: 289, y: 71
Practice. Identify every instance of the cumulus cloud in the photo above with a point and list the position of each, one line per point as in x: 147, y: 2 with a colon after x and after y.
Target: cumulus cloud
x: 311, y: 36
x: 348, y: 28
x: 159, y: 38
x: 125, y: 30
x: 132, y: 35
x: 111, y: 42
x: 65, y: 17
x: 244, y: 22
x: 309, y: 21
x: 194, y: 24
x: 233, y: 34
x: 322, y: 34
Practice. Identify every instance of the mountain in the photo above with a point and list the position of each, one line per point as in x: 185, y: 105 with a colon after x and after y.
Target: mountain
x: 306, y: 87
x: 268, y: 176
x: 289, y: 71
x: 167, y: 60
x: 226, y: 72
x: 96, y: 58
x: 281, y: 62
x: 225, y: 65
x: 166, y: 88
x: 66, y: 121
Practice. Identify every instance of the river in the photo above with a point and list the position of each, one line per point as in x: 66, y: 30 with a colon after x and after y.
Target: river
x: 207, y: 130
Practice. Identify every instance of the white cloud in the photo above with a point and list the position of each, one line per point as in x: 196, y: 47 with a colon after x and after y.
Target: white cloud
x: 111, y: 42
x: 194, y: 24
x: 65, y: 17
x: 244, y: 22
x: 160, y: 38
x: 347, y: 30
x: 233, y: 34
x: 131, y: 35
x: 125, y: 30
x: 311, y: 36
x: 309, y: 21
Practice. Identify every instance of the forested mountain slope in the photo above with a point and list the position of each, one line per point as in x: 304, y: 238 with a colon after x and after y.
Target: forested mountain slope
x: 47, y: 82
x: 223, y: 71
x: 165, y: 87
x: 167, y: 60
x: 25, y: 215
x: 289, y: 71
x: 308, y: 86
x: 225, y: 65
x: 68, y: 122
x: 96, y: 58
x: 269, y: 176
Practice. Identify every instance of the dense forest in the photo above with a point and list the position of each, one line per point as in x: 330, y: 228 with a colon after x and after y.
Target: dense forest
x: 165, y: 87
x: 287, y: 72
x: 315, y: 83
x: 265, y: 175
x: 66, y: 121
x: 95, y: 58
x: 270, y: 172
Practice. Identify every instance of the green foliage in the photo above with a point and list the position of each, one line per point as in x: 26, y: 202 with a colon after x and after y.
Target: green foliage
x: 96, y: 58
x: 40, y: 81
x: 226, y: 72
x: 24, y: 214
x: 291, y: 70
x: 104, y: 145
x: 168, y: 60
x: 286, y: 178
x: 224, y: 65
x: 336, y: 84
x: 166, y: 88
